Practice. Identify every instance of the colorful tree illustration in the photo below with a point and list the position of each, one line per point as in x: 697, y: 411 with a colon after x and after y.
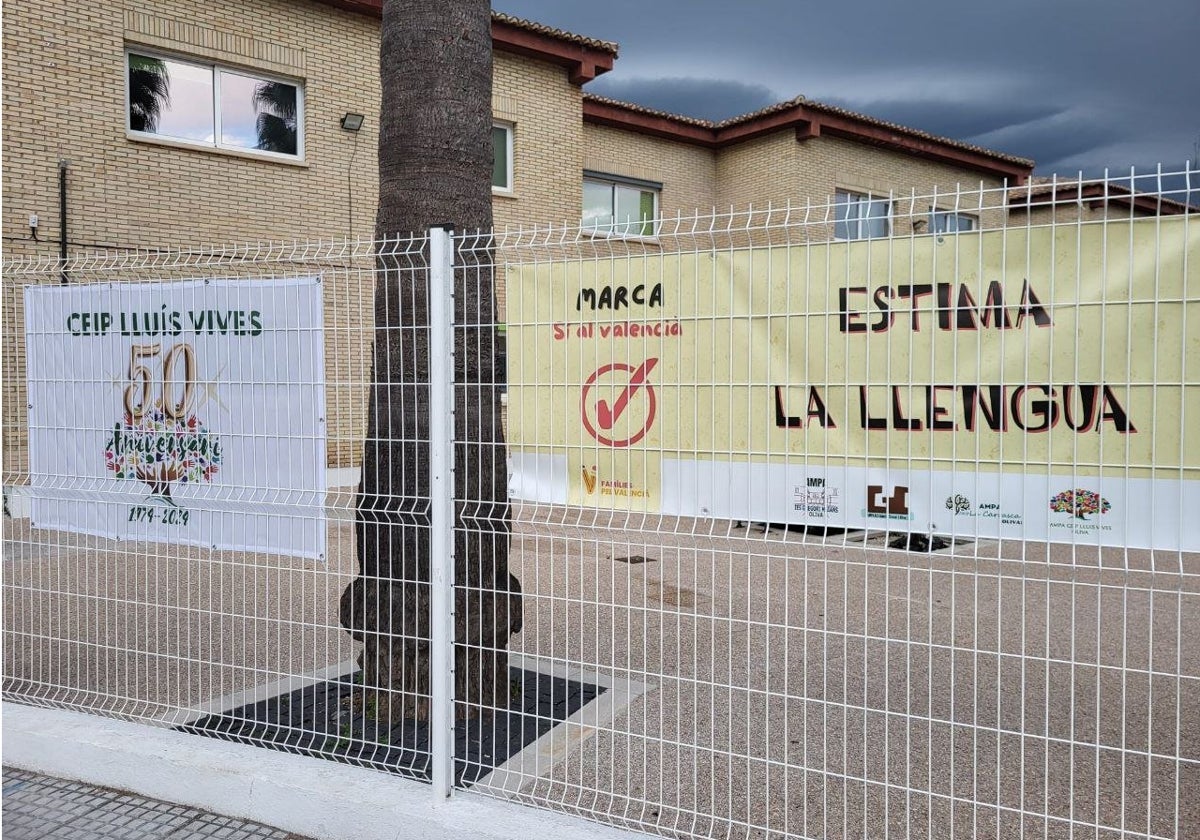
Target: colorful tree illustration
x: 159, y: 451
x: 1080, y: 503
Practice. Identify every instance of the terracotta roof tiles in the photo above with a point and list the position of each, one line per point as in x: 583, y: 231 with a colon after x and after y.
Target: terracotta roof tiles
x: 561, y: 34
x: 812, y: 105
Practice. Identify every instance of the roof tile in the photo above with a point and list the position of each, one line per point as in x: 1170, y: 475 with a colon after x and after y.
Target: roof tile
x: 561, y: 34
x: 813, y: 106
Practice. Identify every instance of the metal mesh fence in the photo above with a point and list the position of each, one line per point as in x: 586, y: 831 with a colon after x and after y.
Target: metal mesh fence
x: 793, y: 525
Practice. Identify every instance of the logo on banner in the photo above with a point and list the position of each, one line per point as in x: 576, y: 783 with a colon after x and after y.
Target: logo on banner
x: 892, y: 506
x: 160, y: 441
x: 1080, y: 503
x: 815, y: 498
x: 626, y: 420
x: 589, y: 479
x: 960, y: 504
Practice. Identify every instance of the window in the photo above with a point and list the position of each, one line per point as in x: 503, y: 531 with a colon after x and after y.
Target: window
x: 945, y: 221
x: 623, y: 206
x: 861, y: 216
x: 502, y: 147
x: 210, y: 105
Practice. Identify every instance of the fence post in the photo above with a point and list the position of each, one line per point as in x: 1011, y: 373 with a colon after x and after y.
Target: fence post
x: 441, y: 503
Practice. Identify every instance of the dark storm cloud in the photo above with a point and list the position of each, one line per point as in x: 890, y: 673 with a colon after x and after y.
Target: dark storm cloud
x: 706, y: 99
x: 1063, y: 137
x: 1056, y: 133
x: 1071, y: 83
x: 958, y: 120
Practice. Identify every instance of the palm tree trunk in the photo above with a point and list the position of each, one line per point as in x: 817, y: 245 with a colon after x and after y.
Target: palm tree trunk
x: 435, y: 163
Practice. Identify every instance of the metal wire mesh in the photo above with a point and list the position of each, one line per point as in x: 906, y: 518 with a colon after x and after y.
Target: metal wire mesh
x: 241, y: 643
x: 793, y: 662
x: 753, y: 611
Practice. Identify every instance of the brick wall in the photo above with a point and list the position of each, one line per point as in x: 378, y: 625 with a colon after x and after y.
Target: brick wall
x: 65, y: 99
x: 778, y: 169
x: 546, y: 112
x: 66, y: 73
x: 64, y: 65
x: 687, y: 173
x: 1069, y: 213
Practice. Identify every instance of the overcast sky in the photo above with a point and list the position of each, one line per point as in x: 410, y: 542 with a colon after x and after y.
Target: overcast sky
x: 1073, y: 84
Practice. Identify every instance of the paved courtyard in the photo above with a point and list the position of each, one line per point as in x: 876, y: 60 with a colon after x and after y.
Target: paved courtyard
x: 787, y: 683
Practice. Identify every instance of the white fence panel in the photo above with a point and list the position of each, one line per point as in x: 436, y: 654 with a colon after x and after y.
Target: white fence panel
x: 808, y: 537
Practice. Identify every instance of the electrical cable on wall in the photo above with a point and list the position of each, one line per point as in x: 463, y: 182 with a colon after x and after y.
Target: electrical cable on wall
x: 350, y: 188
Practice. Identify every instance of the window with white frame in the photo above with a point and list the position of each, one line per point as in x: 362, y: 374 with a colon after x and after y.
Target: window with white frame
x: 214, y: 106
x: 949, y: 221
x: 622, y: 206
x: 502, y: 157
x: 861, y: 216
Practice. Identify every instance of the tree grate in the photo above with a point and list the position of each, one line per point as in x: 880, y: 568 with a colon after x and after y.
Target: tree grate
x: 325, y: 721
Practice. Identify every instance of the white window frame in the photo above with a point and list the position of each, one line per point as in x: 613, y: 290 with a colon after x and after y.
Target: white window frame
x: 508, y: 137
x: 613, y: 181
x: 215, y: 68
x: 863, y: 198
x: 934, y: 212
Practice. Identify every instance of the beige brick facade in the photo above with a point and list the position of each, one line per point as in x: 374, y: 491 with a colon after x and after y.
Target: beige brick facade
x: 822, y: 165
x: 125, y: 193
x: 743, y: 178
x: 687, y: 173
x: 543, y: 108
x: 777, y: 170
x: 65, y: 99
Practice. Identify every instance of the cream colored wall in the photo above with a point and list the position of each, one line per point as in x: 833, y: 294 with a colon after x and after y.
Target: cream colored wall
x: 1044, y: 213
x: 546, y: 114
x: 778, y: 169
x: 687, y: 172
x: 64, y: 98
x: 126, y: 193
x: 764, y: 169
x: 546, y: 111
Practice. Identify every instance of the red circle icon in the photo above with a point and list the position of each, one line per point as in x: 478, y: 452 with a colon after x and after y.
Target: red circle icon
x: 632, y: 383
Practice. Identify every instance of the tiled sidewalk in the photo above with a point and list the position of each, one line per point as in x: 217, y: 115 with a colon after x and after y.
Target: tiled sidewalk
x: 43, y: 808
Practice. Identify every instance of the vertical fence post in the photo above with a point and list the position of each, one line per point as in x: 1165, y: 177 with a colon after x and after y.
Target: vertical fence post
x: 441, y: 503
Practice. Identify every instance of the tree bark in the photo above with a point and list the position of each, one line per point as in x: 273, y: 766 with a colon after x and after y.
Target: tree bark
x: 435, y: 164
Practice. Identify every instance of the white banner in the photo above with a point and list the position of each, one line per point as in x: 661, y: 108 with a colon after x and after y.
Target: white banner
x: 184, y: 412
x: 1063, y: 507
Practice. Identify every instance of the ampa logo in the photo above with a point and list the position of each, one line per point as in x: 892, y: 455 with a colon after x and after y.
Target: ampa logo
x: 589, y: 479
x: 958, y: 503
x: 894, y: 505
x: 1080, y: 503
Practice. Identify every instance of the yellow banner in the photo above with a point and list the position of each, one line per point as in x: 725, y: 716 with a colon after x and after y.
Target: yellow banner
x: 1027, y: 350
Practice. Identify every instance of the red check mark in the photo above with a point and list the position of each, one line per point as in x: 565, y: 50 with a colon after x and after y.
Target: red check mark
x: 606, y: 416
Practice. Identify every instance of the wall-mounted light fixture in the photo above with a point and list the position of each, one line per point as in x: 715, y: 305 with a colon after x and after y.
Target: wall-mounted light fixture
x: 352, y: 122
